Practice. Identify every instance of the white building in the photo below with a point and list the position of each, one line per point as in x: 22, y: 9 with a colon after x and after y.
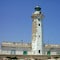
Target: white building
x: 14, y: 48
x: 37, y: 37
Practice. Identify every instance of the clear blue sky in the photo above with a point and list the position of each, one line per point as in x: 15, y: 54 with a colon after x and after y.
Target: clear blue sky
x: 16, y: 22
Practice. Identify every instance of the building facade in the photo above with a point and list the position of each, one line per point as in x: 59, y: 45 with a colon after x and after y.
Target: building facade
x: 14, y: 48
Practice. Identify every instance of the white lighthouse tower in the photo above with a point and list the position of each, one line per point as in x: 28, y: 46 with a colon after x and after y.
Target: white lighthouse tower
x: 37, y: 36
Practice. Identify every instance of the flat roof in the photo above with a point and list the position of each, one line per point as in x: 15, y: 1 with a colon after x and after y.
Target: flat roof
x: 26, y: 45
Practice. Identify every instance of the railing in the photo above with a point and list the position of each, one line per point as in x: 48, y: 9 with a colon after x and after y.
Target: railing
x: 9, y: 44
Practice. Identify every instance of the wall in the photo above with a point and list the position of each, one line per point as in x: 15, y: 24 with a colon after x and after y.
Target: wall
x: 53, y: 51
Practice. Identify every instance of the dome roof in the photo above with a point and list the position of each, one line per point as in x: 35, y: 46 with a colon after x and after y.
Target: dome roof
x: 37, y: 8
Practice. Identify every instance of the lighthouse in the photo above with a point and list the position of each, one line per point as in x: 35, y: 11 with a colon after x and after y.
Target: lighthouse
x: 37, y: 32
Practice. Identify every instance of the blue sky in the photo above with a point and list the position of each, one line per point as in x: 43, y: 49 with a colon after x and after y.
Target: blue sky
x: 16, y: 22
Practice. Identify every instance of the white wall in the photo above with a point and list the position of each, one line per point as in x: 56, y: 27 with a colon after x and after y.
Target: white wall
x: 17, y: 52
x: 55, y: 51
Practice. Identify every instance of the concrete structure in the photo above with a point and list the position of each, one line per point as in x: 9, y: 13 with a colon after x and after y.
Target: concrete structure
x: 14, y: 48
x: 31, y: 51
x: 52, y: 49
x: 37, y: 37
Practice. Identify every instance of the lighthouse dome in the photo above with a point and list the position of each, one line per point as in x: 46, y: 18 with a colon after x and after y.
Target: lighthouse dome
x: 37, y: 8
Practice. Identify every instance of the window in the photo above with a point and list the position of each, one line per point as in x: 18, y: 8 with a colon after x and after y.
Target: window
x: 48, y: 52
x: 40, y: 12
x: 13, y: 52
x: 24, y: 52
x: 38, y: 51
x: 39, y: 19
x: 39, y: 35
x: 39, y: 24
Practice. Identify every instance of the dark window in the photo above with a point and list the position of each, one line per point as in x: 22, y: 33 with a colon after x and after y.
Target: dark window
x: 39, y: 19
x: 39, y: 24
x: 40, y: 12
x: 39, y: 35
x: 24, y: 52
x: 39, y: 51
x: 48, y: 52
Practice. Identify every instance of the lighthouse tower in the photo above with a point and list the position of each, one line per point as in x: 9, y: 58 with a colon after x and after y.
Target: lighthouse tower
x: 37, y: 36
